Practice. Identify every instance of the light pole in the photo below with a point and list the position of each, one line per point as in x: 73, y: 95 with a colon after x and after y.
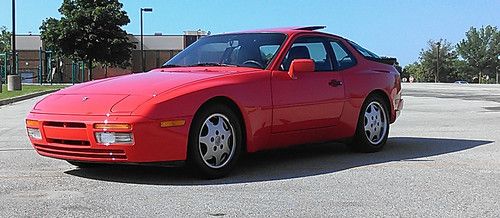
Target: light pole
x: 13, y: 37
x: 437, y: 62
x: 142, y: 37
x: 14, y: 80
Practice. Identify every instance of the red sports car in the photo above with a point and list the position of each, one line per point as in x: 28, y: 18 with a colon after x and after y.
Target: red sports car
x: 224, y: 95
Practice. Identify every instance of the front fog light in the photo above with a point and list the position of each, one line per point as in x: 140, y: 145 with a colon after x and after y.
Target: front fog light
x: 34, y: 133
x: 108, y: 138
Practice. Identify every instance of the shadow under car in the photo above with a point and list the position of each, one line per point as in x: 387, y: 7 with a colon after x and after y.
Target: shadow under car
x: 287, y: 163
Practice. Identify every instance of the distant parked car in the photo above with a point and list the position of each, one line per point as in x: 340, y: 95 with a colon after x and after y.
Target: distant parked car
x: 223, y: 95
x: 461, y: 82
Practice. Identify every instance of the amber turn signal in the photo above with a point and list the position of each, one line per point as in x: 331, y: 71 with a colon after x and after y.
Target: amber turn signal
x: 112, y: 126
x: 32, y: 123
x: 172, y: 123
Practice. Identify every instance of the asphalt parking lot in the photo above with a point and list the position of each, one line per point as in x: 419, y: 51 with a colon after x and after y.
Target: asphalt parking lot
x: 442, y: 159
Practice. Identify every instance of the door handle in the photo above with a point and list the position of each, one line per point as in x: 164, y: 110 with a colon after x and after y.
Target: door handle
x: 335, y: 83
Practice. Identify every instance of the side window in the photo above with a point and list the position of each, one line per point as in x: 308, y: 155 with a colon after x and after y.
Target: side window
x: 344, y: 59
x: 309, y: 48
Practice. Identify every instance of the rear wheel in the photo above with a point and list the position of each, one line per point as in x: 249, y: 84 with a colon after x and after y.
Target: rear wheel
x: 373, y: 125
x: 215, y: 141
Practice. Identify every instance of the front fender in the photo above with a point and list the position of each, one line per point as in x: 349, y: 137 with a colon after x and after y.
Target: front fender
x: 251, y: 92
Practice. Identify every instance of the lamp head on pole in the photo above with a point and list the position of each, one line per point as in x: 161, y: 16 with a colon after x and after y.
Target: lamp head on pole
x: 147, y: 9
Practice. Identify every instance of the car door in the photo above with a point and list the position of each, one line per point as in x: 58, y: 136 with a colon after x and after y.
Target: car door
x: 313, y: 99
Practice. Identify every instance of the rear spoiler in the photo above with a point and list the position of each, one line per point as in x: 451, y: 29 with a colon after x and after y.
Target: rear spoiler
x: 389, y: 61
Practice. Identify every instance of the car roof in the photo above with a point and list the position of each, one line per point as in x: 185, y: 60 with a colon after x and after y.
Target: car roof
x: 290, y: 30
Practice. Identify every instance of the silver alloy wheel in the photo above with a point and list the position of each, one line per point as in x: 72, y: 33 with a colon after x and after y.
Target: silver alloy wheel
x: 375, y: 122
x: 216, y: 141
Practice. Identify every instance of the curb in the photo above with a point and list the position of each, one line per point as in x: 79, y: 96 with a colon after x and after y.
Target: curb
x: 25, y: 97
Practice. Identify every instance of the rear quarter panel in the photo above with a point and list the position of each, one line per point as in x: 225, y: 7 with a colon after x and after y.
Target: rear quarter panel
x: 360, y: 82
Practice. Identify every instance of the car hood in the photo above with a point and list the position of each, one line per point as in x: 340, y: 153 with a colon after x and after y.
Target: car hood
x: 123, y: 94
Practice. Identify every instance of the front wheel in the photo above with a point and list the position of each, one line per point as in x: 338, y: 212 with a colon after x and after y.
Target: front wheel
x: 215, y: 141
x: 373, y: 125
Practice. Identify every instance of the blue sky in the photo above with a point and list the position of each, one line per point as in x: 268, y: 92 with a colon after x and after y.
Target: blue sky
x: 387, y: 27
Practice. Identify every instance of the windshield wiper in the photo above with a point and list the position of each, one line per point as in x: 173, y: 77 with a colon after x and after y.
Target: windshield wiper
x: 170, y: 65
x: 212, y: 64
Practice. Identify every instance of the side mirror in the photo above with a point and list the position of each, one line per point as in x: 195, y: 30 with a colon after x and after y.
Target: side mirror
x: 300, y: 66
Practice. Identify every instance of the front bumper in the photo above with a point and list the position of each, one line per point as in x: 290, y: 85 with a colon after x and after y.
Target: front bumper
x: 399, y: 107
x: 71, y: 137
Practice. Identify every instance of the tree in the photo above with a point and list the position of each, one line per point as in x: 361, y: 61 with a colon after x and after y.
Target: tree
x: 437, y: 60
x: 461, y: 71
x: 480, y: 49
x: 417, y: 71
x: 90, y: 31
x: 5, y: 37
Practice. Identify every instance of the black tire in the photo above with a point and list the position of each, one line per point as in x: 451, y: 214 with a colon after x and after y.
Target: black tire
x: 84, y: 164
x: 361, y: 141
x: 198, y: 153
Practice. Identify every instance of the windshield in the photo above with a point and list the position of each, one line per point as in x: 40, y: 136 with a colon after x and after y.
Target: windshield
x: 245, y: 50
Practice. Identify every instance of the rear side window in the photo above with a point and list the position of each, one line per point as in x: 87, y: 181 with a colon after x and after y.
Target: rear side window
x: 343, y: 58
x: 309, y: 48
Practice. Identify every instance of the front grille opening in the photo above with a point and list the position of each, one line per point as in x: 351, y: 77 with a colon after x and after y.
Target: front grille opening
x: 65, y: 124
x: 69, y: 142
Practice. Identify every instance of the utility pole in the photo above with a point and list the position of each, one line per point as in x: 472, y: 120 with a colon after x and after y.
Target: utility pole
x: 436, y: 79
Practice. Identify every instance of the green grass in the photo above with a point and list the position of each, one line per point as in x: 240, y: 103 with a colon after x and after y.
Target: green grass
x: 27, y: 89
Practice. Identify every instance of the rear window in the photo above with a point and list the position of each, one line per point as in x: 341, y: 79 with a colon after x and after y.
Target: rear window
x: 365, y: 52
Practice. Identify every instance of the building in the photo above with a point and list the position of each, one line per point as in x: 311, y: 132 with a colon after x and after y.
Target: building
x: 34, y: 61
